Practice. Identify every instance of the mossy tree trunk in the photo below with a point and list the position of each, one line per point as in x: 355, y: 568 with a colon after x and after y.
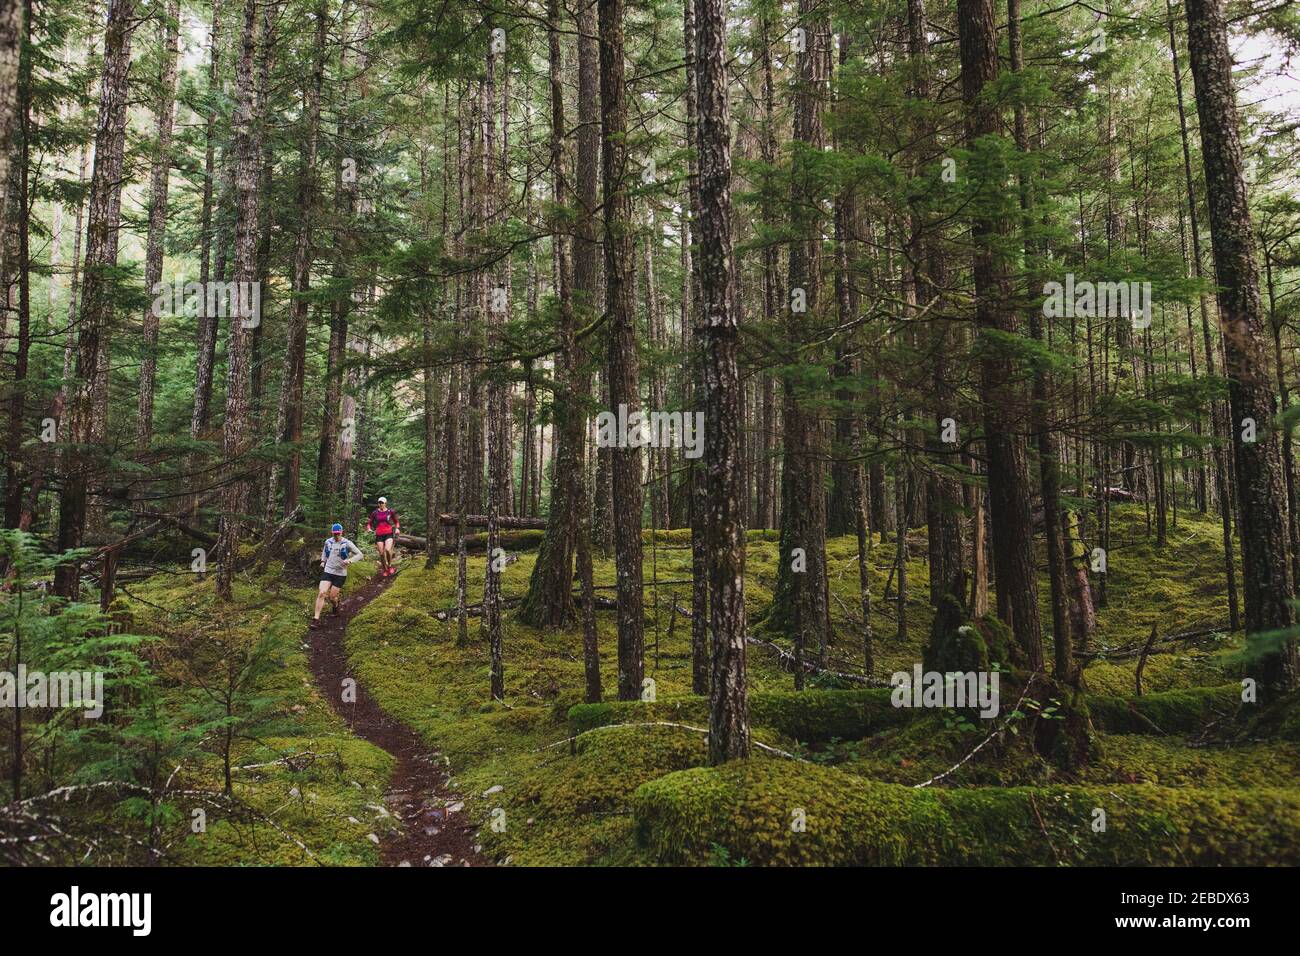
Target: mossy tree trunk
x: 1266, y: 567
x: 728, y: 706
x: 799, y: 601
x: 1009, y: 488
x: 622, y: 354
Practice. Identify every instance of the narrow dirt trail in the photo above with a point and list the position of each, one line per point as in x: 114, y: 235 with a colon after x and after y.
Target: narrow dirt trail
x: 435, y: 831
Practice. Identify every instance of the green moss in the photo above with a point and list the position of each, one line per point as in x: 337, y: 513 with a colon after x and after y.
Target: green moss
x: 571, y: 808
x: 934, y: 743
x: 958, y: 646
x: 1165, y: 671
x: 786, y: 813
x: 1180, y: 582
x: 1171, y: 712
x: 1280, y: 720
x: 338, y: 804
x: 997, y: 639
x: 812, y: 716
x: 343, y: 782
x: 1173, y: 762
x: 572, y: 803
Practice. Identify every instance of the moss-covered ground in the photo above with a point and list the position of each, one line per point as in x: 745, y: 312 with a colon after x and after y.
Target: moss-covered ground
x: 305, y: 790
x: 587, y: 785
x: 1184, y: 773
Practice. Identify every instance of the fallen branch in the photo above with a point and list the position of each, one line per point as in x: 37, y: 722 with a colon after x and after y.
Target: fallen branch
x: 1142, y: 660
x: 1134, y: 649
x: 980, y: 746
x: 788, y: 663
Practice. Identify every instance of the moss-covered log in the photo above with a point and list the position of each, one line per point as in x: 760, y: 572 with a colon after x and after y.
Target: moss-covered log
x: 813, y: 716
x: 1171, y: 712
x: 774, y: 812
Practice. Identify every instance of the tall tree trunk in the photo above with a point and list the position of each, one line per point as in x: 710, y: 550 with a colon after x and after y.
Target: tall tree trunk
x: 21, y: 265
x: 206, y: 332
x: 1266, y: 566
x: 799, y: 602
x: 586, y: 297
x: 767, y: 486
x: 693, y: 321
x: 622, y: 357
x: 236, y: 433
x: 338, y: 423
x: 841, y: 516
x: 1008, y: 469
x: 498, y: 456
x: 11, y: 34
x: 289, y: 419
x: 549, y: 602
x: 943, y: 494
x: 1048, y: 459
x: 1217, y: 423
x: 1284, y: 394
x: 728, y: 704
x: 97, y: 292
x: 159, y: 174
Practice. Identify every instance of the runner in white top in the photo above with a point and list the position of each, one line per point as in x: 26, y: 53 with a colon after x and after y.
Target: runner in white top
x: 335, y: 557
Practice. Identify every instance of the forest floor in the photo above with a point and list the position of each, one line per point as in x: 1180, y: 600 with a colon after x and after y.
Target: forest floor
x: 432, y: 832
x: 1186, y: 773
x: 316, y: 790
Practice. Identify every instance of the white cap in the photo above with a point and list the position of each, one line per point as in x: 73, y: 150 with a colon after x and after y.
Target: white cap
x: 383, y: 499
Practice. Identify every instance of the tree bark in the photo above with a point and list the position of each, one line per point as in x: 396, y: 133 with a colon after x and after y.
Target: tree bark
x: 549, y: 602
x: 1266, y: 566
x: 159, y: 174
x: 693, y: 320
x: 498, y: 450
x: 15, y: 468
x: 799, y: 603
x: 236, y: 433
x: 96, y: 294
x: 1048, y: 460
x: 622, y: 364
x: 1008, y: 470
x: 728, y: 703
x: 1216, y: 413
x: 206, y: 332
x: 11, y: 33
x: 289, y: 418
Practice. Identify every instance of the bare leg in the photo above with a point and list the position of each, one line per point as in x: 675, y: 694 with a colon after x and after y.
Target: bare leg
x: 320, y: 597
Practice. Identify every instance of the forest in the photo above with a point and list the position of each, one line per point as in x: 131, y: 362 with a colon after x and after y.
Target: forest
x: 666, y: 433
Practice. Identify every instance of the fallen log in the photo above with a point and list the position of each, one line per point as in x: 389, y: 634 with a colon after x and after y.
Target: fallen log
x: 481, y: 521
x: 1135, y: 649
x: 474, y: 544
x: 476, y: 610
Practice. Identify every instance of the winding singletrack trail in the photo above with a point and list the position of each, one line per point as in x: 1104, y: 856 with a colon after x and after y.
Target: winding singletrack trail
x: 434, y: 829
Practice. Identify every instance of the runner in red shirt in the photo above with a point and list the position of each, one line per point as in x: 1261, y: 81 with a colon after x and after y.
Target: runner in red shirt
x: 384, y: 523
